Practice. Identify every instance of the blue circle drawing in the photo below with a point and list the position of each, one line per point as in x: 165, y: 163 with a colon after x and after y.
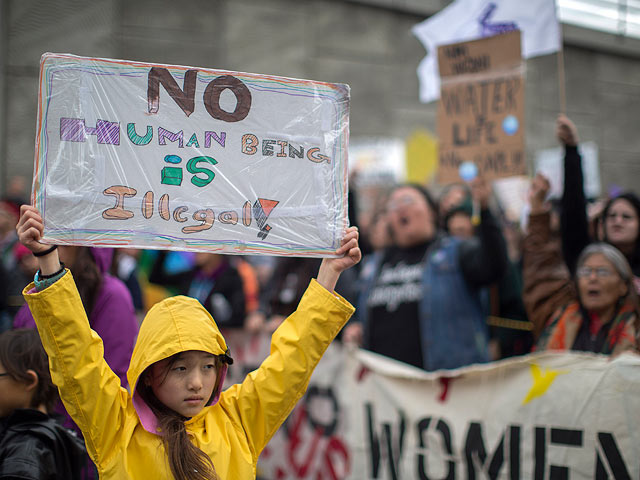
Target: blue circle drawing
x: 172, y: 159
x: 468, y: 171
x: 510, y: 125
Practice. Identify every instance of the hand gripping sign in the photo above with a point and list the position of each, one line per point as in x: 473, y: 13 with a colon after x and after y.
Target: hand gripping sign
x: 162, y: 156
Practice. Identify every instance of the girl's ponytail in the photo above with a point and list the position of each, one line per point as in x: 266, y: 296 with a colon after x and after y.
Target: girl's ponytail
x: 187, y: 461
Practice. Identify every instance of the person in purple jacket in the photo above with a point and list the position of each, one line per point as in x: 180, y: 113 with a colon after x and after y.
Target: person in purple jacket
x: 112, y: 313
x: 106, y: 297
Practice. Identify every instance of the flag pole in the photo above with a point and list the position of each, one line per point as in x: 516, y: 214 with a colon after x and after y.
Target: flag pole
x: 562, y: 96
x: 561, y: 82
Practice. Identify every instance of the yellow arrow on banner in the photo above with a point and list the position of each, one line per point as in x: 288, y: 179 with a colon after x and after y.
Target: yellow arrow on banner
x: 542, y: 380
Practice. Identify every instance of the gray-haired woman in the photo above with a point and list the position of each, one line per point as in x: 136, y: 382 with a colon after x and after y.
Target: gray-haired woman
x: 597, y: 311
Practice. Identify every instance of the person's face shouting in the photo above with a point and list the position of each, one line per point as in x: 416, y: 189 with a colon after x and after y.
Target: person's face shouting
x: 410, y: 217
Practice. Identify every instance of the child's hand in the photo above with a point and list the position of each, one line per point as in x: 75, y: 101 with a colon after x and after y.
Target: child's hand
x: 30, y: 229
x: 331, y: 268
x: 349, y: 248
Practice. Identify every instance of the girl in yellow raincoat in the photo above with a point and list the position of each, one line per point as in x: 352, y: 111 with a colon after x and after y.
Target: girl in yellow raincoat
x: 178, y: 423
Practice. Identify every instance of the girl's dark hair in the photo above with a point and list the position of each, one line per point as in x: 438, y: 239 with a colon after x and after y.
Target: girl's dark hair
x: 21, y: 350
x: 427, y: 196
x: 634, y: 201
x: 88, y: 278
x: 187, y: 462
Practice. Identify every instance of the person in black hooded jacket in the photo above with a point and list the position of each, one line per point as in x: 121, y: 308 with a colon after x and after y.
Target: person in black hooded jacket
x: 33, y: 445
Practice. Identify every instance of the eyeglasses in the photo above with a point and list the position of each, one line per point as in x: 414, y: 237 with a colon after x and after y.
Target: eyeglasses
x: 601, y: 272
x: 624, y: 216
x: 403, y: 201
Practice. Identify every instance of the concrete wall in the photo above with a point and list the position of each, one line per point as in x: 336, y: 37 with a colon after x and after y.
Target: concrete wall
x: 366, y: 44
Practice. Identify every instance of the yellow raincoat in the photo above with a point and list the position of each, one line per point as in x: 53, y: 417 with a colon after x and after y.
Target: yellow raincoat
x: 120, y: 431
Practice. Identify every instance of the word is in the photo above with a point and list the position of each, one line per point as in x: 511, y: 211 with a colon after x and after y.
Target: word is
x: 173, y: 175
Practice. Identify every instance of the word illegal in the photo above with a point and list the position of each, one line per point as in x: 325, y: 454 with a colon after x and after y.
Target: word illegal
x: 205, y: 217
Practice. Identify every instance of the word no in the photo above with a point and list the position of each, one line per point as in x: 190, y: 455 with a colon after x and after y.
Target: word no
x: 185, y: 96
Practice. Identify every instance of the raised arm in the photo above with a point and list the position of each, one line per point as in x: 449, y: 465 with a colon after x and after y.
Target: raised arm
x: 574, y: 228
x: 266, y: 397
x: 483, y: 258
x: 331, y: 268
x: 547, y: 282
x: 89, y: 389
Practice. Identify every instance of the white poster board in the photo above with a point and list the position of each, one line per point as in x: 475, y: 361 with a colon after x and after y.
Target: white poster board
x: 378, y: 160
x: 550, y: 162
x: 160, y: 156
x: 512, y: 194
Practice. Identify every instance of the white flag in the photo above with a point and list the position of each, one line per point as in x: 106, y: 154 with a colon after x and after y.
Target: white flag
x: 466, y: 20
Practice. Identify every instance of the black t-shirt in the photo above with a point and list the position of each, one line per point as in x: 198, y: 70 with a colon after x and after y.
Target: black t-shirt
x: 394, y: 321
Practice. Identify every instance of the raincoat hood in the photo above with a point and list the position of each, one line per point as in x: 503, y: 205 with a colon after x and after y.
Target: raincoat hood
x: 121, y: 439
x: 174, y: 325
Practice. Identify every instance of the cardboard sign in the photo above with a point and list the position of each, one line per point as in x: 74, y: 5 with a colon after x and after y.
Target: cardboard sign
x: 481, y: 108
x: 160, y: 156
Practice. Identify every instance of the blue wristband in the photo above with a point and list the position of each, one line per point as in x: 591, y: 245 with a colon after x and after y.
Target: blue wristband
x: 42, y: 283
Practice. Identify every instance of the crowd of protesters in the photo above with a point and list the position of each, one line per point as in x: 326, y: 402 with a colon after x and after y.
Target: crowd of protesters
x: 438, y: 287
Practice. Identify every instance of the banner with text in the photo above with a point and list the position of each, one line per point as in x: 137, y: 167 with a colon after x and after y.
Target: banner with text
x: 481, y: 108
x: 163, y: 156
x: 545, y: 415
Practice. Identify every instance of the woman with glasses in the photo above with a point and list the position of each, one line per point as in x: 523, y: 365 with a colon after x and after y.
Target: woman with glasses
x: 597, y: 311
x: 620, y: 220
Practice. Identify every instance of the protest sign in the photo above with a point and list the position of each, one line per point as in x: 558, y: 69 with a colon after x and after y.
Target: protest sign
x: 512, y: 195
x: 464, y: 20
x: 422, y: 157
x: 481, y: 108
x: 160, y: 156
x: 378, y: 160
x: 550, y: 162
x: 544, y: 415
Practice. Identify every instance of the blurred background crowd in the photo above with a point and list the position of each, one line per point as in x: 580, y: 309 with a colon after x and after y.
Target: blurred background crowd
x: 453, y: 274
x: 446, y: 281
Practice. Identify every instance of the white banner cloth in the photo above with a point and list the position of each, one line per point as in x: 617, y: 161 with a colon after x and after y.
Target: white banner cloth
x: 465, y: 20
x: 540, y: 416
